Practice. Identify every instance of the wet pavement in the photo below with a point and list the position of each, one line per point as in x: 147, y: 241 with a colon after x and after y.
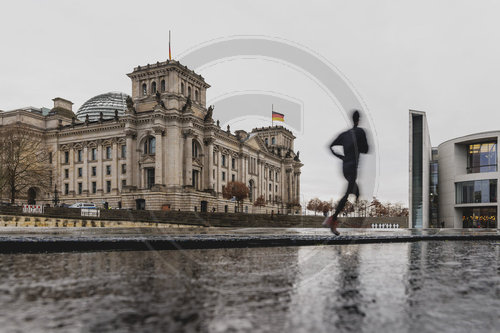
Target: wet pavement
x: 37, y: 240
x: 427, y: 286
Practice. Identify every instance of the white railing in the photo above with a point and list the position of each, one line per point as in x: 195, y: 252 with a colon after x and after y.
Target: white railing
x: 385, y: 226
x: 33, y: 209
x: 91, y: 212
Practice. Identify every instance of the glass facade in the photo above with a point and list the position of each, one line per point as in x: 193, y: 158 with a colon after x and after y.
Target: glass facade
x: 479, y: 217
x: 433, y: 193
x: 477, y: 191
x: 482, y: 157
x: 417, y: 167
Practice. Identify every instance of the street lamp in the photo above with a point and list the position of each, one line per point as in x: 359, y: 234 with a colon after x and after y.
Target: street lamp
x: 56, y: 196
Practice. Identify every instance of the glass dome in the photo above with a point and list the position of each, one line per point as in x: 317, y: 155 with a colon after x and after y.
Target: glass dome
x: 105, y: 103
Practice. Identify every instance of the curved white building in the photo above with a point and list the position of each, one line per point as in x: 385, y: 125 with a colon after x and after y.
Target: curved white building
x: 455, y: 184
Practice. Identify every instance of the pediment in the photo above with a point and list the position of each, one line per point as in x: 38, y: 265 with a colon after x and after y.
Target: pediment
x: 256, y: 142
x: 147, y: 159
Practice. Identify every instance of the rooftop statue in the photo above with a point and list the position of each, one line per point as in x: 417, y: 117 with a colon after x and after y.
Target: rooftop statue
x: 208, y: 116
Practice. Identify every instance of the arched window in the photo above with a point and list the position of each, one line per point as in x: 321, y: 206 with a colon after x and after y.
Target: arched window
x: 196, y: 149
x: 189, y: 91
x: 163, y: 86
x: 273, y: 140
x: 182, y: 88
x: 144, y: 89
x: 153, y: 87
x: 196, y: 95
x: 150, y: 145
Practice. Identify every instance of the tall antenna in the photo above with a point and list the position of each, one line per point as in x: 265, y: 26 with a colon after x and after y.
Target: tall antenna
x: 169, y: 49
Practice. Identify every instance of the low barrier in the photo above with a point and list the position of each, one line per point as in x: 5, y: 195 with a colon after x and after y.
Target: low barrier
x: 210, y: 219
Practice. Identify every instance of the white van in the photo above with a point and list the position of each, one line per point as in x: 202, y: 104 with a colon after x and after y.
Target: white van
x: 83, y: 205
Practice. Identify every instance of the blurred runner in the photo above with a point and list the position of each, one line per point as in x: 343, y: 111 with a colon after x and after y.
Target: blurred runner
x: 354, y: 143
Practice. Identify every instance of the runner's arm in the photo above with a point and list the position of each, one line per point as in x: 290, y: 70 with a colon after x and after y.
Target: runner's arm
x: 363, y: 143
x: 337, y: 142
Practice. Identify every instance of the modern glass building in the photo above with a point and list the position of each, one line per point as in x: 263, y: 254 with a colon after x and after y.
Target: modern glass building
x: 455, y: 184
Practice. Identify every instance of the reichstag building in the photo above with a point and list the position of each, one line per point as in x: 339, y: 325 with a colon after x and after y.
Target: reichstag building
x: 159, y: 148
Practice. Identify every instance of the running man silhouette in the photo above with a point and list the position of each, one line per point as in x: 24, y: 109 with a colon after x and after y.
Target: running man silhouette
x: 354, y: 143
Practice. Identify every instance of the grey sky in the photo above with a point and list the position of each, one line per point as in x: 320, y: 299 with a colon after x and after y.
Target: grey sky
x: 436, y: 56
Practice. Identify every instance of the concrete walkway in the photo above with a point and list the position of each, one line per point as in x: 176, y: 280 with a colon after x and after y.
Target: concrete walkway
x: 38, y: 240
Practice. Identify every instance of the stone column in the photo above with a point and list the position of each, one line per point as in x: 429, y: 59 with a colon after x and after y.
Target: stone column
x: 129, y: 158
x: 297, y: 193
x: 209, y: 163
x: 218, y: 185
x: 159, y: 156
x: 85, y: 171
x: 174, y: 156
x: 115, y: 172
x: 290, y: 185
x: 100, y: 171
x: 71, y: 171
x: 188, y: 157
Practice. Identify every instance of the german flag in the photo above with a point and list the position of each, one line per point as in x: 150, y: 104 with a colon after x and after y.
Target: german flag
x: 278, y: 116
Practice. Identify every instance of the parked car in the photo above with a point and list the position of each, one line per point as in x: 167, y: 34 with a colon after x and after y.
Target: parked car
x: 83, y: 205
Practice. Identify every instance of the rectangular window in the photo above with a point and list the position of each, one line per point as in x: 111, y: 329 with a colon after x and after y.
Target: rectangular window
x: 94, y: 187
x: 124, y: 182
x: 223, y: 160
x: 79, y: 155
x: 223, y: 176
x: 108, y: 170
x: 233, y: 163
x: 94, y: 171
x: 478, y: 191
x: 80, y: 172
x: 233, y: 177
x: 479, y: 217
x: 276, y: 189
x: 93, y: 156
x: 66, y: 173
x: 66, y: 189
x: 108, y: 186
x: 213, y: 173
x: 482, y: 157
x: 80, y: 186
x: 66, y: 157
x: 270, y: 187
x: 108, y: 153
x: 50, y: 157
x: 124, y: 168
x: 150, y: 177
x: 124, y: 151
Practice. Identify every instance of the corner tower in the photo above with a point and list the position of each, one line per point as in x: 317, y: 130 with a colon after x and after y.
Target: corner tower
x: 174, y: 82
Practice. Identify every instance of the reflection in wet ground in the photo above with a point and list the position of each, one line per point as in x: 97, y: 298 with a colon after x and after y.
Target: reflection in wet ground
x: 409, y: 287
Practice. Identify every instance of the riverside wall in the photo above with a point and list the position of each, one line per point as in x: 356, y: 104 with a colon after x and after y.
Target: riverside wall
x: 61, y: 217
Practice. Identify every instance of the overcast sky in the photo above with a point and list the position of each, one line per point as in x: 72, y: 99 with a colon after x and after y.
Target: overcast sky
x: 441, y: 57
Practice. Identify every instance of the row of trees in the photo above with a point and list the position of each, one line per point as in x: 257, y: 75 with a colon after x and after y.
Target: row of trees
x: 24, y: 161
x: 360, y: 208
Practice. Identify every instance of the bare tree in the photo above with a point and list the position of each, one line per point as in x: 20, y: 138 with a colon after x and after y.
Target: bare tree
x: 260, y: 201
x: 23, y: 161
x: 237, y: 190
x: 314, y: 205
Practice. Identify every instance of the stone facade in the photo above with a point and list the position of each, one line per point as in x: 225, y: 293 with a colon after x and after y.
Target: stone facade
x: 166, y: 152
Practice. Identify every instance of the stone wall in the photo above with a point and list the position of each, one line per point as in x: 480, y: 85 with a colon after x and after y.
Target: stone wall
x: 210, y: 219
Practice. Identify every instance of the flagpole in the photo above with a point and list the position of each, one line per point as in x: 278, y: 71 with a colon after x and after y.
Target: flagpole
x: 169, y: 51
x: 272, y: 110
